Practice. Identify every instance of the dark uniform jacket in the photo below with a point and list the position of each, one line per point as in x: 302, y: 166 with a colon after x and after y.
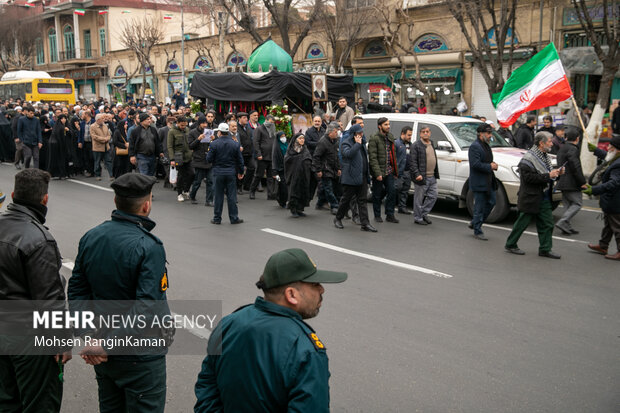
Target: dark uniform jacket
x: 573, y: 179
x: 121, y: 259
x: 29, y: 261
x: 271, y: 361
x: 418, y: 162
x: 225, y: 156
x: 325, y: 158
x: 609, y: 189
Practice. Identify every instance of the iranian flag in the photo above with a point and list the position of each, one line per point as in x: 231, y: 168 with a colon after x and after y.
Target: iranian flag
x: 79, y: 12
x: 103, y: 12
x: 539, y: 83
x: 167, y: 16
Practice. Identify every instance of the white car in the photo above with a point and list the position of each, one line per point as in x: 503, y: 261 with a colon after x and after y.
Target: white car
x: 452, y: 136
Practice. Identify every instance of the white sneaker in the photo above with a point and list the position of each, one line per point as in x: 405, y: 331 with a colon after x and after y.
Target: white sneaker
x: 186, y: 195
x: 180, y: 198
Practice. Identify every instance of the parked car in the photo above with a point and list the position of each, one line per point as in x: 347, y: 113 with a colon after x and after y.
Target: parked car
x: 452, y: 136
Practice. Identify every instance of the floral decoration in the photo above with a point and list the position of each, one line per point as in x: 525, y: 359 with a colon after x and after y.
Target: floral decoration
x: 282, y: 118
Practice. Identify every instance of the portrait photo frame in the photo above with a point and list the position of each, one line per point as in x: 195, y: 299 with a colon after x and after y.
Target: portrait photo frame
x: 319, y: 91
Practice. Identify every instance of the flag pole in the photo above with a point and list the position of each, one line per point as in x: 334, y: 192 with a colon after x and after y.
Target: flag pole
x: 585, y: 134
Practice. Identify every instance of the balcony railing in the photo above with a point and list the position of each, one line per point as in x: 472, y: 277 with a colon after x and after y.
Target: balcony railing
x: 72, y: 54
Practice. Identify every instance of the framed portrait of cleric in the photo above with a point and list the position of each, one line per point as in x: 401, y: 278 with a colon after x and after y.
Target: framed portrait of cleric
x: 301, y: 122
x: 319, y: 88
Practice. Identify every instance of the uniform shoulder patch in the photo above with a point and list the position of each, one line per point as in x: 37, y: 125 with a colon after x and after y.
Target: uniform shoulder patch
x: 164, y: 282
x: 318, y: 344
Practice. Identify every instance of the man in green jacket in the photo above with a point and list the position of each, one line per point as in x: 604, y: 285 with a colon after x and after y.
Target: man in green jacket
x: 122, y: 264
x: 384, y: 170
x: 181, y: 157
x: 264, y: 357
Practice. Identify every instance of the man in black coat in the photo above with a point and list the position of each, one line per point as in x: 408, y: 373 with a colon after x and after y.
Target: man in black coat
x: 199, y: 143
x: 534, y: 201
x: 571, y: 183
x: 326, y: 166
x: 247, y: 151
x: 30, y: 270
x: 609, y: 191
x: 264, y: 136
x: 524, y: 137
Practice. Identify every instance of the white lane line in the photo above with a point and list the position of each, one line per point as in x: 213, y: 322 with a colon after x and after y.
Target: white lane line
x: 592, y: 209
x: 202, y: 333
x: 507, y: 229
x: 359, y: 254
x: 91, y: 185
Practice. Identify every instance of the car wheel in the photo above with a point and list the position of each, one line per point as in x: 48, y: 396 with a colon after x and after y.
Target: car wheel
x: 501, y: 209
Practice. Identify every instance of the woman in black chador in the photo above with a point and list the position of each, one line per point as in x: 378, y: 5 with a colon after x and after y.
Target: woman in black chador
x: 297, y: 163
x: 57, y: 149
x: 121, y: 163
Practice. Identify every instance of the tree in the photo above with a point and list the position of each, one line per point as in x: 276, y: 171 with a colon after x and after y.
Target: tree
x: 344, y: 29
x: 477, y: 19
x: 17, y: 41
x: 118, y: 88
x: 140, y: 36
x: 610, y: 59
x: 284, y: 15
x: 393, y: 20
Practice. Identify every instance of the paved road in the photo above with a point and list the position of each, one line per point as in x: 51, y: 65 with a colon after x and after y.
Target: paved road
x: 430, y: 319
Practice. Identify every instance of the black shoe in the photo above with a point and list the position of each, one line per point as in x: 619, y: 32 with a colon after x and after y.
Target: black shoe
x: 208, y: 204
x: 216, y: 222
x: 421, y: 222
x: 378, y: 219
x: 404, y: 211
x: 470, y: 226
x: 574, y: 231
x: 18, y: 166
x: 193, y: 201
x: 428, y: 221
x: 334, y: 211
x: 294, y: 213
x: 368, y: 228
x: 356, y: 220
x: 565, y: 231
x: 238, y: 221
x: 481, y: 237
x: 515, y: 250
x: 338, y: 223
x: 392, y: 219
x: 301, y: 214
x: 252, y: 195
x: 549, y: 254
x: 239, y: 191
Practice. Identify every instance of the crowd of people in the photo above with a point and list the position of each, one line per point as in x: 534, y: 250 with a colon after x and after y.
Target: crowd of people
x: 235, y: 154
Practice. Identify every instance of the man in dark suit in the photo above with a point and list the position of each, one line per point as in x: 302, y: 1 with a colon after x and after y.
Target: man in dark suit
x: 571, y: 183
x: 481, y: 179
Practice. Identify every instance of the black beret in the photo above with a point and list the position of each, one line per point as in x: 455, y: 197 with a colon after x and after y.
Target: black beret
x: 241, y: 114
x: 133, y: 185
x: 144, y: 116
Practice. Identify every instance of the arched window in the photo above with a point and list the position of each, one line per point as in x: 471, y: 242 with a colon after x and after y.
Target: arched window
x: 374, y: 49
x: 119, y: 71
x: 315, y: 51
x: 69, y: 42
x: 51, y: 36
x: 40, y: 51
x: 236, y: 59
x: 491, y: 38
x: 202, y: 63
x: 430, y: 43
x: 173, y: 66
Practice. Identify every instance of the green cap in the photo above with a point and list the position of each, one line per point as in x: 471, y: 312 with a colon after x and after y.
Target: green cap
x: 294, y: 265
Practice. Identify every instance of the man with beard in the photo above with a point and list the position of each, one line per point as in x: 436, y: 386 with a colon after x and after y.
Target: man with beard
x: 609, y: 191
x: 534, y: 201
x: 313, y: 135
x: 264, y: 136
x: 326, y: 166
x: 144, y: 146
x: 481, y: 179
x: 344, y: 113
x: 247, y: 151
x: 384, y: 170
x: 282, y: 360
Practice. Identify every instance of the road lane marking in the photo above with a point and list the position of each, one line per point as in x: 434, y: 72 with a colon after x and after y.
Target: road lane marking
x: 507, y: 229
x: 359, y: 254
x: 91, y: 185
x: 198, y: 332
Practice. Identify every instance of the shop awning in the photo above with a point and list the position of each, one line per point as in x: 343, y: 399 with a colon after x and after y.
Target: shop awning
x: 435, y: 74
x: 138, y: 81
x: 383, y: 79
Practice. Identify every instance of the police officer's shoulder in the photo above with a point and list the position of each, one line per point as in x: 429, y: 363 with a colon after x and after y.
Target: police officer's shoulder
x: 310, y: 336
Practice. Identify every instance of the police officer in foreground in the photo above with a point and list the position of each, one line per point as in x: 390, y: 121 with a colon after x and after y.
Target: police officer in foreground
x: 264, y: 357
x: 29, y: 270
x: 122, y: 260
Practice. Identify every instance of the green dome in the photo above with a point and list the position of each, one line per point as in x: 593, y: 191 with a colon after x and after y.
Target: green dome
x: 269, y: 53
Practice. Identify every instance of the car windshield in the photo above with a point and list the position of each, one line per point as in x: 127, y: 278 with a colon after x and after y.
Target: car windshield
x: 465, y: 134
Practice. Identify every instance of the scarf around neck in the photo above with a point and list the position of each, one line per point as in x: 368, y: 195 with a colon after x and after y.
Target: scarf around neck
x: 540, y: 160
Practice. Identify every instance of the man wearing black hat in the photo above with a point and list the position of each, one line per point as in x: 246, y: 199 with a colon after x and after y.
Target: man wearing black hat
x: 247, y: 151
x: 281, y: 359
x: 121, y: 259
x: 609, y: 191
x: 481, y: 178
x: 144, y: 146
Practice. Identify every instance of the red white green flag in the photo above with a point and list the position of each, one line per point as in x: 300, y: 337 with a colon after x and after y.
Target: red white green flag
x: 167, y: 16
x: 103, y: 12
x: 29, y: 5
x: 539, y: 83
x: 79, y: 12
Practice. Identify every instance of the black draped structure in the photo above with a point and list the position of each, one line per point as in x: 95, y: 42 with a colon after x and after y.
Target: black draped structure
x: 272, y: 86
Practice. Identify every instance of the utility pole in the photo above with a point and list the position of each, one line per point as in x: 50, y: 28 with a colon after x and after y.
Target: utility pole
x: 182, y: 49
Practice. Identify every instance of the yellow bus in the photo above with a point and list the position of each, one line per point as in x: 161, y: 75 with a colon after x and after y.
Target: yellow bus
x: 36, y: 87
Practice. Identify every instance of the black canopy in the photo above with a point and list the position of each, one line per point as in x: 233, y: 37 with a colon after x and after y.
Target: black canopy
x: 239, y: 87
